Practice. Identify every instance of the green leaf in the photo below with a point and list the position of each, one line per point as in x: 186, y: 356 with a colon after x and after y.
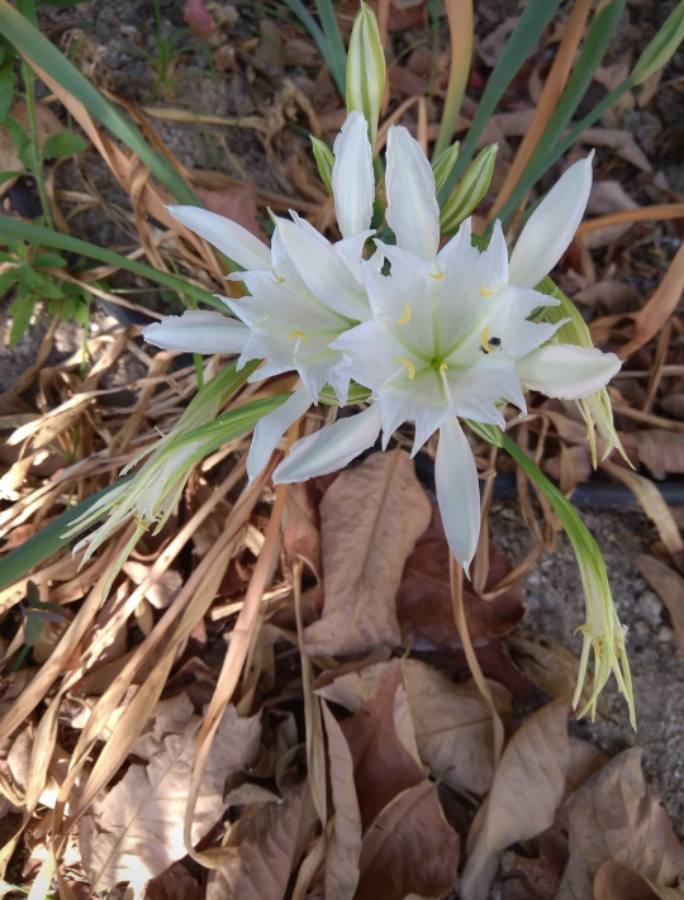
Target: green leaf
x: 45, y: 237
x: 8, y: 176
x: 50, y: 261
x: 7, y: 280
x: 663, y: 46
x: 535, y: 17
x: 327, y: 51
x: 21, y: 311
x: 33, y: 45
x: 64, y: 143
x: 47, y: 541
x: 7, y: 87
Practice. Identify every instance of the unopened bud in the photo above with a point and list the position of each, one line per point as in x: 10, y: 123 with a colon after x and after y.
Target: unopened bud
x: 366, y: 69
x: 470, y: 190
x: 324, y: 161
x: 443, y: 165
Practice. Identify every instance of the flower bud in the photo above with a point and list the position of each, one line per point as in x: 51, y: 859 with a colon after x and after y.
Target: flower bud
x: 443, y: 165
x: 470, y: 190
x: 324, y: 161
x: 366, y: 69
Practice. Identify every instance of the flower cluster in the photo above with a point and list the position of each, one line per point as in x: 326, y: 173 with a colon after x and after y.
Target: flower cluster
x: 436, y: 334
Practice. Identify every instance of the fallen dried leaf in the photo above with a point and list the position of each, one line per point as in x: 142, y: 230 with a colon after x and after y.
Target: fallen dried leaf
x: 424, y: 604
x: 453, y: 726
x: 301, y: 526
x: 371, y: 517
x: 135, y: 831
x: 614, y: 816
x: 527, y: 788
x: 662, y: 452
x: 617, y: 881
x: 410, y: 849
x: 236, y: 203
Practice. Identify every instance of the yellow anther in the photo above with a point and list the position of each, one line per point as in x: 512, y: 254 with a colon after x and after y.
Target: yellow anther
x: 405, y: 316
x: 279, y: 279
x: 298, y: 335
x: 438, y: 276
x: 408, y: 365
x: 486, y: 292
x: 484, y: 340
x: 443, y: 369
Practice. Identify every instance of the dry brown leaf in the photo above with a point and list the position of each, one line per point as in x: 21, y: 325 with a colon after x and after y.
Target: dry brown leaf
x: 662, y: 452
x: 453, y: 726
x: 607, y: 197
x: 371, y: 517
x: 237, y: 203
x: 669, y: 586
x: 265, y: 846
x: 385, y: 760
x: 301, y: 526
x: 614, y: 816
x: 135, y: 832
x: 409, y: 849
x: 424, y: 604
x: 617, y: 881
x: 535, y: 877
x: 342, y: 853
x: 527, y: 788
x: 175, y: 883
x: 622, y: 142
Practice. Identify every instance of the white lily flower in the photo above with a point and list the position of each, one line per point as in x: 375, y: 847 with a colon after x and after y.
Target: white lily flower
x: 303, y: 292
x: 450, y: 336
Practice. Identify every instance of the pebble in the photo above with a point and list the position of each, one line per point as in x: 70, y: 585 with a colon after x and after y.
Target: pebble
x: 649, y: 606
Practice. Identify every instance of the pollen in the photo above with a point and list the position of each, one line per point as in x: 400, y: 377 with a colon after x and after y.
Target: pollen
x: 298, y: 335
x: 408, y: 365
x: 405, y: 316
x: 484, y: 341
x: 486, y: 292
x: 438, y: 276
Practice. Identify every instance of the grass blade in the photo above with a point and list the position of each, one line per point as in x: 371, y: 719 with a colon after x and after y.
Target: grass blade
x: 536, y: 16
x: 461, y: 31
x: 45, y: 237
x: 32, y: 45
x: 331, y: 30
x: 322, y: 42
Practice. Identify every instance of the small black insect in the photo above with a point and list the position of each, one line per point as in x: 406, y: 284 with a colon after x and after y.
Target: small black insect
x: 495, y: 342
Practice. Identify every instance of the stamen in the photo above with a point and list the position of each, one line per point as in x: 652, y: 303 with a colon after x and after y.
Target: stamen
x: 443, y: 368
x: 484, y: 341
x: 294, y: 335
x: 279, y: 279
x: 438, y: 276
x: 486, y: 292
x: 405, y: 316
x: 408, y: 365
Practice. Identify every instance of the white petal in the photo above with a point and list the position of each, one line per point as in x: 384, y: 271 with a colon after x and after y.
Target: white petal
x: 238, y: 244
x: 331, y: 448
x: 458, y: 491
x: 551, y: 227
x: 322, y: 270
x: 412, y: 210
x: 198, y: 331
x: 272, y: 427
x: 567, y: 371
x: 353, y: 180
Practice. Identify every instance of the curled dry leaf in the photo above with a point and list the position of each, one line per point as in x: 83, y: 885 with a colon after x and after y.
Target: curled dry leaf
x: 371, y: 517
x: 135, y: 831
x: 424, y: 603
x: 301, y: 526
x: 410, y: 849
x: 669, y: 586
x: 175, y: 883
x: 342, y: 855
x: 614, y: 816
x: 528, y: 786
x: 617, y: 881
x: 453, y: 726
x: 264, y: 847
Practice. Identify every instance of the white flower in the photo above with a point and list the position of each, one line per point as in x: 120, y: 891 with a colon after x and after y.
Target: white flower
x: 303, y: 293
x: 451, y: 336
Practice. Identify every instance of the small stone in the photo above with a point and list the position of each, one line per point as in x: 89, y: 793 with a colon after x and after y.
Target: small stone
x: 642, y: 628
x: 665, y: 634
x: 649, y: 606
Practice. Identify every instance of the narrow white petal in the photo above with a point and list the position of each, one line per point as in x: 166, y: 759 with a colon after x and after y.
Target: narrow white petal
x: 198, y: 331
x: 458, y: 491
x: 412, y: 210
x: 272, y: 427
x: 331, y: 448
x: 353, y: 180
x: 551, y: 227
x: 322, y: 270
x: 238, y: 244
x: 567, y: 371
